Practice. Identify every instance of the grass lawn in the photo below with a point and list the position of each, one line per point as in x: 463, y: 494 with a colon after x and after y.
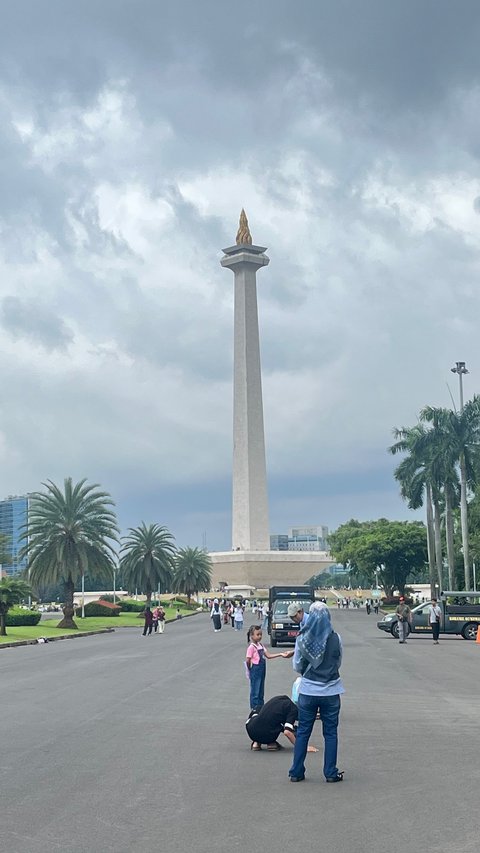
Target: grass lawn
x: 48, y: 628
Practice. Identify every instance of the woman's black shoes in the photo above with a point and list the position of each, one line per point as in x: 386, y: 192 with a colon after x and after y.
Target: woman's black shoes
x: 337, y: 778
x: 297, y: 778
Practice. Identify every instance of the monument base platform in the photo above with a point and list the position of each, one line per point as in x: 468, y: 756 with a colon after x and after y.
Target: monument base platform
x: 262, y: 569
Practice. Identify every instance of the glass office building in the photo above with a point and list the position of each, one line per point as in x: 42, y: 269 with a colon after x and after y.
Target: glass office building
x: 301, y: 539
x: 279, y: 542
x: 13, y: 516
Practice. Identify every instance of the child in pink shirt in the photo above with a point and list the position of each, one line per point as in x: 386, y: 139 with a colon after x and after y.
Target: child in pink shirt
x: 255, y: 661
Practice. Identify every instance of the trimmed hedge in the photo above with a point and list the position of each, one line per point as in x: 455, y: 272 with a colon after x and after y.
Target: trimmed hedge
x: 99, y: 608
x: 128, y: 605
x: 16, y: 618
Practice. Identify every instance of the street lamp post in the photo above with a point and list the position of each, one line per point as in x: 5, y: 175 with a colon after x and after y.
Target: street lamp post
x: 83, y: 595
x: 461, y: 370
x: 114, y: 590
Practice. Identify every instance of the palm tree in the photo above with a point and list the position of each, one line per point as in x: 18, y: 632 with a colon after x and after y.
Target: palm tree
x: 12, y: 591
x: 446, y: 458
x: 147, y: 559
x: 465, y: 437
x: 461, y: 443
x: 68, y: 534
x: 415, y: 477
x: 193, y: 571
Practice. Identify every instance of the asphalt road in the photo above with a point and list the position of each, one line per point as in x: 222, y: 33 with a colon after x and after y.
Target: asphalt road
x: 122, y: 742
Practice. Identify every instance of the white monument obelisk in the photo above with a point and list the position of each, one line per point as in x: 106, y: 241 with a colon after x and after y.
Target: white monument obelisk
x: 250, y: 527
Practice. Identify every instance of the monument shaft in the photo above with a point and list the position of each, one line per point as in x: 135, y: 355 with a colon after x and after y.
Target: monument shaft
x: 250, y: 527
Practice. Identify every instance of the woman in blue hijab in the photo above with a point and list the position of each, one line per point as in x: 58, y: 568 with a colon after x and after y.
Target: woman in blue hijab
x: 317, y: 657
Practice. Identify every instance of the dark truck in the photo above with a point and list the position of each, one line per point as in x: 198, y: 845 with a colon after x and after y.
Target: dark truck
x: 280, y: 626
x: 460, y: 615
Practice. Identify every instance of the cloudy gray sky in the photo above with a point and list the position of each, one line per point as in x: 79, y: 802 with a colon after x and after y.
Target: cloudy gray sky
x: 131, y: 134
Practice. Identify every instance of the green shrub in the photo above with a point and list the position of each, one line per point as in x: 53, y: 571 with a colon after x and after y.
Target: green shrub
x: 16, y: 617
x: 181, y: 602
x: 99, y: 608
x: 128, y: 605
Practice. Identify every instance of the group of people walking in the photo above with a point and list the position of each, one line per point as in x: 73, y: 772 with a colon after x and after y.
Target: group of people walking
x: 227, y: 613
x: 369, y: 604
x: 154, y: 620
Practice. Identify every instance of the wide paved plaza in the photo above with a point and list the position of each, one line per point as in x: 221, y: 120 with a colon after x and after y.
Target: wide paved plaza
x: 119, y: 743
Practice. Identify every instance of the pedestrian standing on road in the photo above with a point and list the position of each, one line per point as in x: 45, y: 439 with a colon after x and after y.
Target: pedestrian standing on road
x: 148, y: 621
x: 216, y: 615
x: 161, y: 620
x: 238, y: 617
x: 264, y: 617
x: 317, y: 657
x: 255, y: 660
x: 368, y: 607
x: 375, y: 607
x: 434, y: 617
x: 155, y: 618
x: 404, y: 617
x: 297, y: 614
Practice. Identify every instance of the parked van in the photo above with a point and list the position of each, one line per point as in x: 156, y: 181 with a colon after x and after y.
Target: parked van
x: 460, y: 615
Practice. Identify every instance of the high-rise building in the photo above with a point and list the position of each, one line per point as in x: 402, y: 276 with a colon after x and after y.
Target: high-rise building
x: 13, y: 516
x: 279, y: 542
x: 308, y: 538
x: 301, y: 539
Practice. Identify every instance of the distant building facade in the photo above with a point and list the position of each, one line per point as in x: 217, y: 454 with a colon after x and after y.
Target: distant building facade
x: 13, y: 516
x: 301, y: 539
x: 337, y: 569
x: 279, y: 542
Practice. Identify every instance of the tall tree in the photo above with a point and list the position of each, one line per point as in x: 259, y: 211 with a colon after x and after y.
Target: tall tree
x: 147, y: 559
x: 68, y: 534
x: 193, y: 571
x: 418, y: 486
x: 461, y: 446
x: 393, y: 549
x: 445, y: 458
x: 13, y: 590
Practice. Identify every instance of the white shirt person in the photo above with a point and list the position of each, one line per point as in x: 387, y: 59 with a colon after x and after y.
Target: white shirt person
x: 434, y: 618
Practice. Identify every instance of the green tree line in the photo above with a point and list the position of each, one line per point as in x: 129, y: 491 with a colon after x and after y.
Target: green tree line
x: 73, y: 532
x: 439, y: 472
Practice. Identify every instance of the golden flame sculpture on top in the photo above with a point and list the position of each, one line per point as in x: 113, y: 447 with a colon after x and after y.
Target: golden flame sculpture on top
x: 243, y: 234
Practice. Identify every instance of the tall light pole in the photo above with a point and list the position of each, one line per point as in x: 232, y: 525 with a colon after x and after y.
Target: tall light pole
x: 461, y: 370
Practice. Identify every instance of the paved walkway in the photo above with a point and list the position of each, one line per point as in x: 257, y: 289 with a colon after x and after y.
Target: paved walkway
x: 122, y: 742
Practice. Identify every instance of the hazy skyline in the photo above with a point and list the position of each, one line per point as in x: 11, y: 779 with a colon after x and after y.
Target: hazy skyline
x: 131, y: 136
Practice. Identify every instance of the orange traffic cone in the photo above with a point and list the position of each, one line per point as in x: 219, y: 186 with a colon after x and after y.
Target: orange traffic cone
x: 478, y: 635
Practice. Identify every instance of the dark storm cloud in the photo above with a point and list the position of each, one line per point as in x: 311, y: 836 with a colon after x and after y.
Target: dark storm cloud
x: 32, y: 320
x: 414, y: 49
x: 131, y: 133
